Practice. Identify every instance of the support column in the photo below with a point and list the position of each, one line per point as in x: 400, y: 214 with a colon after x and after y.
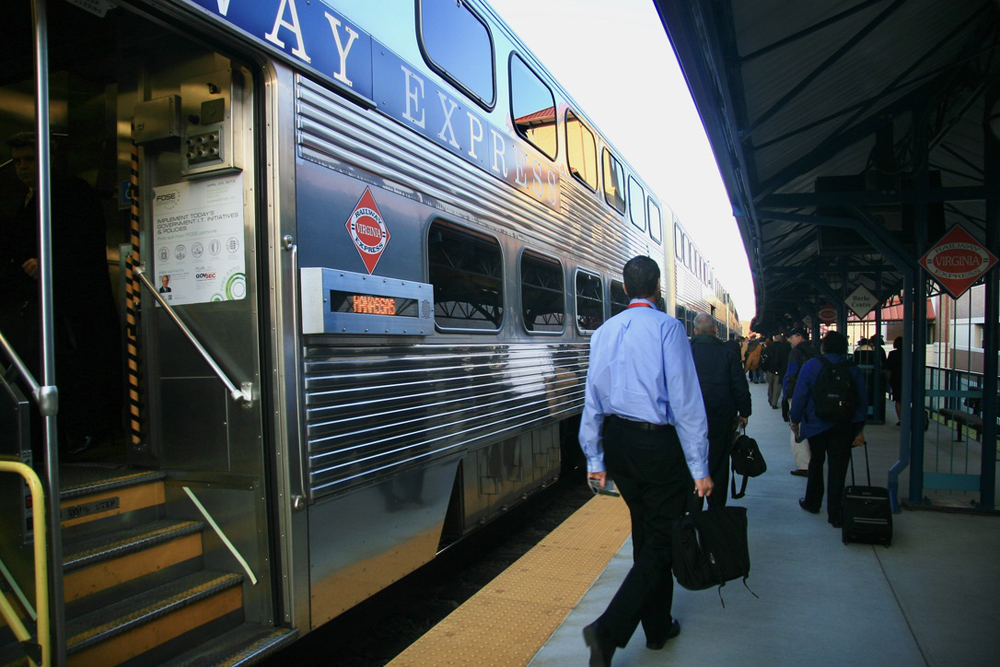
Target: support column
x: 991, y: 339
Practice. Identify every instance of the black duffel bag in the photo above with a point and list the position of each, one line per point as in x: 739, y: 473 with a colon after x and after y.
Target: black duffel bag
x: 746, y: 460
x: 710, y: 548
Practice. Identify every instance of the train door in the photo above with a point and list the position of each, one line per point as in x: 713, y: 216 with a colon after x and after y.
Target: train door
x: 160, y: 127
x: 199, y: 343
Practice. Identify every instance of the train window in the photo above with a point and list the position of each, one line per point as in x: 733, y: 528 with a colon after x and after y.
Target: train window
x: 532, y: 106
x: 679, y: 243
x: 589, y: 301
x: 636, y: 204
x: 543, y: 304
x: 581, y: 151
x: 466, y: 270
x: 614, y: 182
x: 457, y: 45
x: 619, y: 300
x: 655, y: 225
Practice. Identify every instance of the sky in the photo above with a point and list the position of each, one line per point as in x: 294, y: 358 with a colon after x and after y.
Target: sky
x: 590, y: 45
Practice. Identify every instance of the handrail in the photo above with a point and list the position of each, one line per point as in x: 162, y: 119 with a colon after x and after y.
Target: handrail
x: 41, y: 566
x: 22, y: 369
x: 244, y: 395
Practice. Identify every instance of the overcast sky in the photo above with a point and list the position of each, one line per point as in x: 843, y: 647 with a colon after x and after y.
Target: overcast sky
x: 615, y: 60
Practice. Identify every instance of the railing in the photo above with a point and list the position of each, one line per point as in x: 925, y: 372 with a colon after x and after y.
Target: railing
x: 243, y: 395
x: 40, y: 651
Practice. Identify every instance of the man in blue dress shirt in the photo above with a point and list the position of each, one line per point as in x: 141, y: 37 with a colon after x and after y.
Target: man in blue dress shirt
x: 643, y: 426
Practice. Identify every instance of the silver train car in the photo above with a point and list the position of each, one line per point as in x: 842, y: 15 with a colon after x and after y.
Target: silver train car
x: 697, y: 288
x: 358, y: 249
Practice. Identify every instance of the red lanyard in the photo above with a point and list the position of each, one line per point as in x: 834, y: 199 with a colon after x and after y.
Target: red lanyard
x: 639, y: 304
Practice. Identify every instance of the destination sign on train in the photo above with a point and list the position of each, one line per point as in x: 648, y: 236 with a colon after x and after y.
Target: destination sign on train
x: 315, y: 37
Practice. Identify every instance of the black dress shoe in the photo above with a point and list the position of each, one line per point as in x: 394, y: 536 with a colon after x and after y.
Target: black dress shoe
x: 601, y: 647
x: 802, y: 504
x: 675, y: 629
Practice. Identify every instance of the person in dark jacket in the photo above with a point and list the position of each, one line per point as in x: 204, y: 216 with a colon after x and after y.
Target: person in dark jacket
x: 726, y: 394
x: 800, y: 351
x: 828, y: 438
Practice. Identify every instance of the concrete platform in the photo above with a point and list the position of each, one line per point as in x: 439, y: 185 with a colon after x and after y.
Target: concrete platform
x: 933, y: 598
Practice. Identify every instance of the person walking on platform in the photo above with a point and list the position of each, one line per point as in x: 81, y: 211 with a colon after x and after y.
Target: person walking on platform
x: 751, y: 360
x: 800, y: 352
x: 777, y: 364
x: 643, y: 426
x: 833, y: 438
x: 726, y: 394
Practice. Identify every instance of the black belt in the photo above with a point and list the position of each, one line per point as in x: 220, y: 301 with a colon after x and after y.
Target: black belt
x: 642, y: 426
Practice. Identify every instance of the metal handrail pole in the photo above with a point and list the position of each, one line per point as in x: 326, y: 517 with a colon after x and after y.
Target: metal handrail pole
x: 22, y: 369
x: 239, y: 395
x: 43, y: 628
x: 48, y: 396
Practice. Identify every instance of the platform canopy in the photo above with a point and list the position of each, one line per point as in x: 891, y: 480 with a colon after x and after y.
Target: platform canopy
x: 850, y: 134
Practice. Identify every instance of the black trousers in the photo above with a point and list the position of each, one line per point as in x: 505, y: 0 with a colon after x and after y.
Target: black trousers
x: 836, y: 443
x: 649, y: 470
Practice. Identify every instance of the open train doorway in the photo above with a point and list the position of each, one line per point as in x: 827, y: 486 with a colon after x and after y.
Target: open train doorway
x: 157, y: 311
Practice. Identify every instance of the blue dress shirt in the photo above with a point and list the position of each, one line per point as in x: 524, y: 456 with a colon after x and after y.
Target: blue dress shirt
x: 641, y: 369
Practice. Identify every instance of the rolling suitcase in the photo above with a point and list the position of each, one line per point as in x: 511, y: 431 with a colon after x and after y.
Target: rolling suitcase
x: 867, y: 516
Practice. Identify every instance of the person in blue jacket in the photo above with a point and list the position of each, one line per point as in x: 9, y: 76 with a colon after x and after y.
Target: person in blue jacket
x: 833, y: 439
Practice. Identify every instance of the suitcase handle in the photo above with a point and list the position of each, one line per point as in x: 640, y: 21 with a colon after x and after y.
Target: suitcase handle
x: 867, y: 469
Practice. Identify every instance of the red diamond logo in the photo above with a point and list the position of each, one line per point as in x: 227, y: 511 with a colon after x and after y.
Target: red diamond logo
x: 368, y: 230
x: 957, y: 260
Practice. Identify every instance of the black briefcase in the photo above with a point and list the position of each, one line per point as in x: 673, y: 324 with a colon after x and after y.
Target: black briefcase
x: 867, y: 515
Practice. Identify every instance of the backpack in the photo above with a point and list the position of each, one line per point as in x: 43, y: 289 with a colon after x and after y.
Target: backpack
x: 834, y: 394
x: 765, y: 360
x: 710, y: 548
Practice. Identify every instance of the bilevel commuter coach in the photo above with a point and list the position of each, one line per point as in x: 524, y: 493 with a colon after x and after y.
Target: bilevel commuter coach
x: 358, y: 248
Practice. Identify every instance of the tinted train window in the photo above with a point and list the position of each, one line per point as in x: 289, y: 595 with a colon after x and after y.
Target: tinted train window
x: 533, y: 107
x: 466, y: 271
x: 636, y: 204
x: 679, y: 243
x: 655, y: 225
x: 614, y: 182
x: 458, y: 46
x: 589, y: 301
x: 619, y: 300
x: 581, y: 150
x: 543, y: 304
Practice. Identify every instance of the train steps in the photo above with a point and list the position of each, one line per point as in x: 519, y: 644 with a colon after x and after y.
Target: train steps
x: 135, y: 585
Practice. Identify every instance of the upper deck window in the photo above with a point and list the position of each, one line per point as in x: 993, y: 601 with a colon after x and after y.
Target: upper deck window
x: 614, y: 182
x: 636, y: 204
x: 581, y: 151
x: 466, y: 269
x: 655, y: 224
x: 532, y: 106
x: 457, y: 45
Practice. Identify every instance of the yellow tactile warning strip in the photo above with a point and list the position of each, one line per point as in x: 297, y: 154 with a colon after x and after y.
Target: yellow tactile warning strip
x: 507, y: 622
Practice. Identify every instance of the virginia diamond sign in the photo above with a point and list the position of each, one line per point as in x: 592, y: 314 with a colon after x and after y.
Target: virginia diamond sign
x: 957, y: 260
x: 368, y: 230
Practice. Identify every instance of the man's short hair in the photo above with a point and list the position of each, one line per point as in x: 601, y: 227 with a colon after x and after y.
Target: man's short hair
x: 22, y: 140
x: 834, y: 342
x: 641, y: 274
x: 704, y: 324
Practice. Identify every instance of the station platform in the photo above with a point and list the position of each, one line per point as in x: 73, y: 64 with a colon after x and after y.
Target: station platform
x: 932, y: 598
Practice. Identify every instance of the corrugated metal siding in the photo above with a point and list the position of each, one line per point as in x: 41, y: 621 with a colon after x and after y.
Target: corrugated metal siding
x: 372, y: 411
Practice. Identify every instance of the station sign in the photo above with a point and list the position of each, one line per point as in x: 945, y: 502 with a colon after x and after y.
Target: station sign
x: 957, y: 261
x: 827, y: 314
x: 861, y: 301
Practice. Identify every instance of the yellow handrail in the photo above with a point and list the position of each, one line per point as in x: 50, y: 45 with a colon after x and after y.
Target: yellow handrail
x: 41, y: 569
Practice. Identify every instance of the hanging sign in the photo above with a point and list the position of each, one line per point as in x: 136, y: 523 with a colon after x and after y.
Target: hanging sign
x: 827, y: 314
x: 861, y: 301
x: 957, y: 261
